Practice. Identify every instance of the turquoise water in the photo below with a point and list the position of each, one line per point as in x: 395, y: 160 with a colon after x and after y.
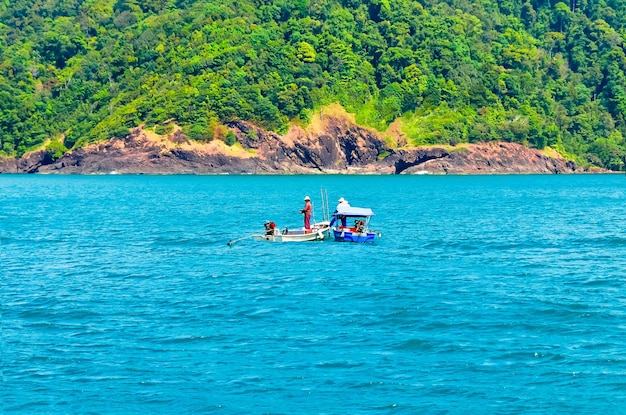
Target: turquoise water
x: 485, y: 294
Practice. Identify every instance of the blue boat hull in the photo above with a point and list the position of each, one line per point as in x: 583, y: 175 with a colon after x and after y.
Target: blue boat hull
x: 349, y: 236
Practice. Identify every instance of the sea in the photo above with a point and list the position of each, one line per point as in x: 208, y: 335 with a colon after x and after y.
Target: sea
x: 483, y: 295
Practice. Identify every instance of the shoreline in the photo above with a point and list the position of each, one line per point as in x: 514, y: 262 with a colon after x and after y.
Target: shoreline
x: 340, y: 148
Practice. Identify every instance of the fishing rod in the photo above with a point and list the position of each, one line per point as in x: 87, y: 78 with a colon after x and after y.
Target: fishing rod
x: 324, y: 199
x: 233, y: 241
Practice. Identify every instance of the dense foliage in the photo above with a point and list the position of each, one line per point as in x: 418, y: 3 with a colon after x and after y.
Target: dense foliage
x: 538, y: 72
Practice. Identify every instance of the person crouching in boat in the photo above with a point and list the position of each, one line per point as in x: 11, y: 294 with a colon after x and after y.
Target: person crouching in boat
x: 269, y: 227
x: 359, y: 225
x: 307, y: 213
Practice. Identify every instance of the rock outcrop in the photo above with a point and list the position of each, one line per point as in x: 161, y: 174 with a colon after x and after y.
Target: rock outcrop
x: 340, y: 146
x: 482, y: 158
x: 336, y: 146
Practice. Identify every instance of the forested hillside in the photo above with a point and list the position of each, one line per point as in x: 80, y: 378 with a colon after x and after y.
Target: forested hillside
x: 538, y: 72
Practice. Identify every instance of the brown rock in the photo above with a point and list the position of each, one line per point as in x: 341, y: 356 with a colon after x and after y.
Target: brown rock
x: 32, y: 162
x: 8, y: 165
x: 337, y: 145
x: 495, y: 158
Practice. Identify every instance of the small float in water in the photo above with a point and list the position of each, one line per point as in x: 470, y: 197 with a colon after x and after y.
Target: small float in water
x: 351, y: 224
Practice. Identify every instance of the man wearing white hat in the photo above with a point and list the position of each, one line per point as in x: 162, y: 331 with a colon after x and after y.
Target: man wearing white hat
x: 307, y: 212
x: 342, y: 203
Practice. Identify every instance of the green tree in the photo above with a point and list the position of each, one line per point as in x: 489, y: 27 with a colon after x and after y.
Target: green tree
x: 231, y: 139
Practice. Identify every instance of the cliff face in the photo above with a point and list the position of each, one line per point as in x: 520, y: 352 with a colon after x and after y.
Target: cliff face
x: 483, y: 158
x: 337, y: 146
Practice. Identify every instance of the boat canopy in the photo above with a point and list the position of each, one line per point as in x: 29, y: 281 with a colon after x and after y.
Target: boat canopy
x: 353, y: 211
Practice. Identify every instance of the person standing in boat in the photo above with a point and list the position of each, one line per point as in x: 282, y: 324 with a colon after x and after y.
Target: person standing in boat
x: 307, y: 212
x: 342, y: 203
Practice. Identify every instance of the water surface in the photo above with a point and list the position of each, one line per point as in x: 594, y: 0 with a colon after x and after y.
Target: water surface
x: 485, y: 294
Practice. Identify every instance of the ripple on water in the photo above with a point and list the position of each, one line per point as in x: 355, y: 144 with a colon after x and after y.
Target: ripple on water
x: 505, y: 294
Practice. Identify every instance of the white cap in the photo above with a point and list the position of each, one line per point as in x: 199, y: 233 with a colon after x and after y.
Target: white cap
x: 341, y: 200
x: 306, y: 198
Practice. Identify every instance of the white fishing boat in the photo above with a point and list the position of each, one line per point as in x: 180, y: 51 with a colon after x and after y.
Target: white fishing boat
x: 271, y: 233
x: 318, y: 232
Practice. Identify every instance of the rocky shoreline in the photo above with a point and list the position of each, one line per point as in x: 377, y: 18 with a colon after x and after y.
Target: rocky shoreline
x: 337, y: 146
